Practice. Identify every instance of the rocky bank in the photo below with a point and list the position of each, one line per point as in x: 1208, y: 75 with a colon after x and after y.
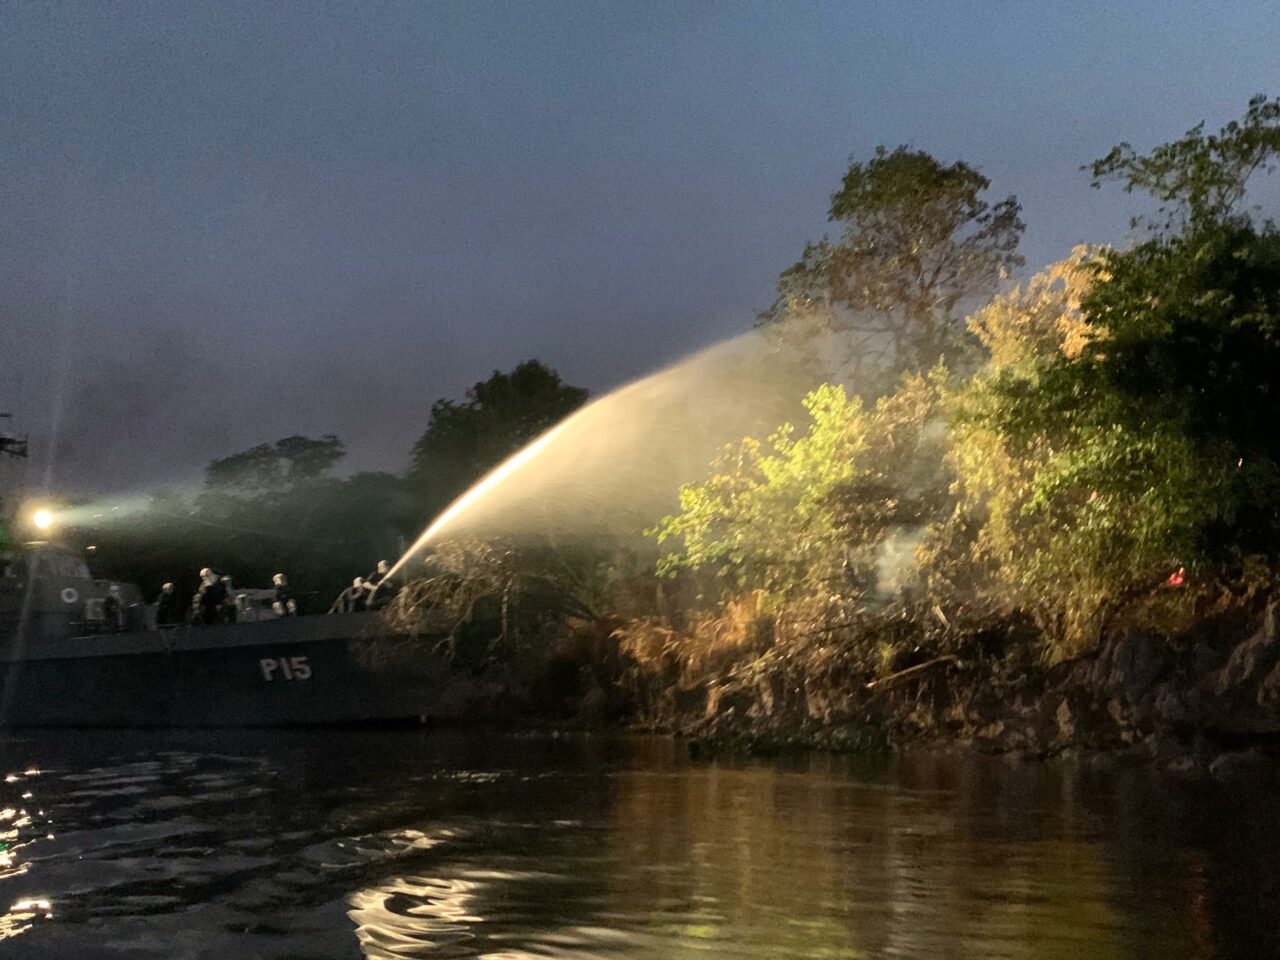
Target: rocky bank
x: 1206, y: 700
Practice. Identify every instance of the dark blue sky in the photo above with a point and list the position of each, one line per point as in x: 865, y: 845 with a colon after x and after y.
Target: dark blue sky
x: 222, y: 223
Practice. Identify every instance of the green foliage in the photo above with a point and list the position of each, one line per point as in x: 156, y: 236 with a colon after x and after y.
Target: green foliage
x: 804, y: 514
x: 1135, y: 435
x: 1078, y: 517
x: 1185, y: 365
x: 1122, y: 427
x: 463, y: 441
x: 1200, y: 179
x: 918, y: 243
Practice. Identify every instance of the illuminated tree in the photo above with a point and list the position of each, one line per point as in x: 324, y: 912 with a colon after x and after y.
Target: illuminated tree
x: 919, y: 243
x: 975, y: 559
x: 803, y: 513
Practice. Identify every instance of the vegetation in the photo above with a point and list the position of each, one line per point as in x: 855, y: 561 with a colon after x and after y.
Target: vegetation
x: 1112, y: 446
x: 1140, y: 440
x: 1199, y: 180
x: 463, y: 441
x: 809, y: 513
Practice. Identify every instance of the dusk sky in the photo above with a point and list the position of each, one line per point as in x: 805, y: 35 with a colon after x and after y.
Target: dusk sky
x: 223, y: 223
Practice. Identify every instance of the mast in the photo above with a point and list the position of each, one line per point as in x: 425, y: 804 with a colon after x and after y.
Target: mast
x: 10, y: 443
x: 15, y: 447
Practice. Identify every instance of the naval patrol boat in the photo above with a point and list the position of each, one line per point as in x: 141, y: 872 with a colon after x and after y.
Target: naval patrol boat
x: 81, y: 651
x: 69, y: 656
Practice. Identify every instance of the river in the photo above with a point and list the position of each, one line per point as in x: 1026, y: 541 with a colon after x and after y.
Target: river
x: 336, y: 844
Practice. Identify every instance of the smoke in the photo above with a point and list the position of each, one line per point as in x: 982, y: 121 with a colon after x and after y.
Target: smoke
x: 896, y: 560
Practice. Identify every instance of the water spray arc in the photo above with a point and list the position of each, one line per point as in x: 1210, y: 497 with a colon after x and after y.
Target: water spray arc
x: 477, y: 491
x: 616, y: 465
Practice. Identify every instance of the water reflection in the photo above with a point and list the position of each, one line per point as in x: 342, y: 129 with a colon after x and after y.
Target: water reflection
x: 23, y: 825
x: 414, y: 917
x: 382, y: 845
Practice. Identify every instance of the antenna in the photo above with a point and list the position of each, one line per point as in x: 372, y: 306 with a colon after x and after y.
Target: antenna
x: 11, y: 444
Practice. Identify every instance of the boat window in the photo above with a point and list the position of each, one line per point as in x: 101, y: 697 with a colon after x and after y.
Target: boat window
x: 61, y: 565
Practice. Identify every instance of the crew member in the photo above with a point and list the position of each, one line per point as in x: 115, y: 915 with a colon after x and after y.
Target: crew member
x: 381, y: 589
x: 113, y: 609
x: 378, y: 574
x: 168, y: 607
x: 230, y: 611
x: 353, y: 599
x: 284, y: 605
x: 211, y: 597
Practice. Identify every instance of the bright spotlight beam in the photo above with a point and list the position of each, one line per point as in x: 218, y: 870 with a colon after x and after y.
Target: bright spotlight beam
x: 42, y: 519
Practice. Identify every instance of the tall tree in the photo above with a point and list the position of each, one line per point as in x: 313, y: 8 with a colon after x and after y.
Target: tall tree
x: 274, y: 467
x: 918, y: 244
x: 1199, y: 179
x: 500, y: 415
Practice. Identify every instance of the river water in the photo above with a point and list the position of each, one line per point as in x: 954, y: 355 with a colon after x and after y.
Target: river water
x: 426, y: 844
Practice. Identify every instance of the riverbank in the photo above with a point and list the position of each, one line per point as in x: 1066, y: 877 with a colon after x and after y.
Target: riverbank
x: 1203, y: 700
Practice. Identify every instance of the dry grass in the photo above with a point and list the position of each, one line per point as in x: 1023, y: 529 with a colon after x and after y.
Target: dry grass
x: 739, y: 628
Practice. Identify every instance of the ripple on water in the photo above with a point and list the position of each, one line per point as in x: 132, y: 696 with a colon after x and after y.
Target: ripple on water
x: 332, y: 847
x: 415, y: 917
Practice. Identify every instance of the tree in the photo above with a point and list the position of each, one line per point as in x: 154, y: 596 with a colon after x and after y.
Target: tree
x: 805, y: 514
x: 274, y: 467
x: 1150, y: 445
x: 971, y: 555
x: 918, y: 243
x: 998, y: 552
x: 465, y: 440
x: 1199, y: 180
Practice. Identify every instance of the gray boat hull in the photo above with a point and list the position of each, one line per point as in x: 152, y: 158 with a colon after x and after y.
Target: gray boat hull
x: 288, y: 672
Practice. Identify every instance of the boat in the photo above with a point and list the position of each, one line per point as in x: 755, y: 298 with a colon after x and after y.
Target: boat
x: 70, y: 657
x: 85, y: 652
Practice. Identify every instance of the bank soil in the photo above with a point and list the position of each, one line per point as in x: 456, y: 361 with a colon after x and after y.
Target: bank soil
x: 1203, y: 700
